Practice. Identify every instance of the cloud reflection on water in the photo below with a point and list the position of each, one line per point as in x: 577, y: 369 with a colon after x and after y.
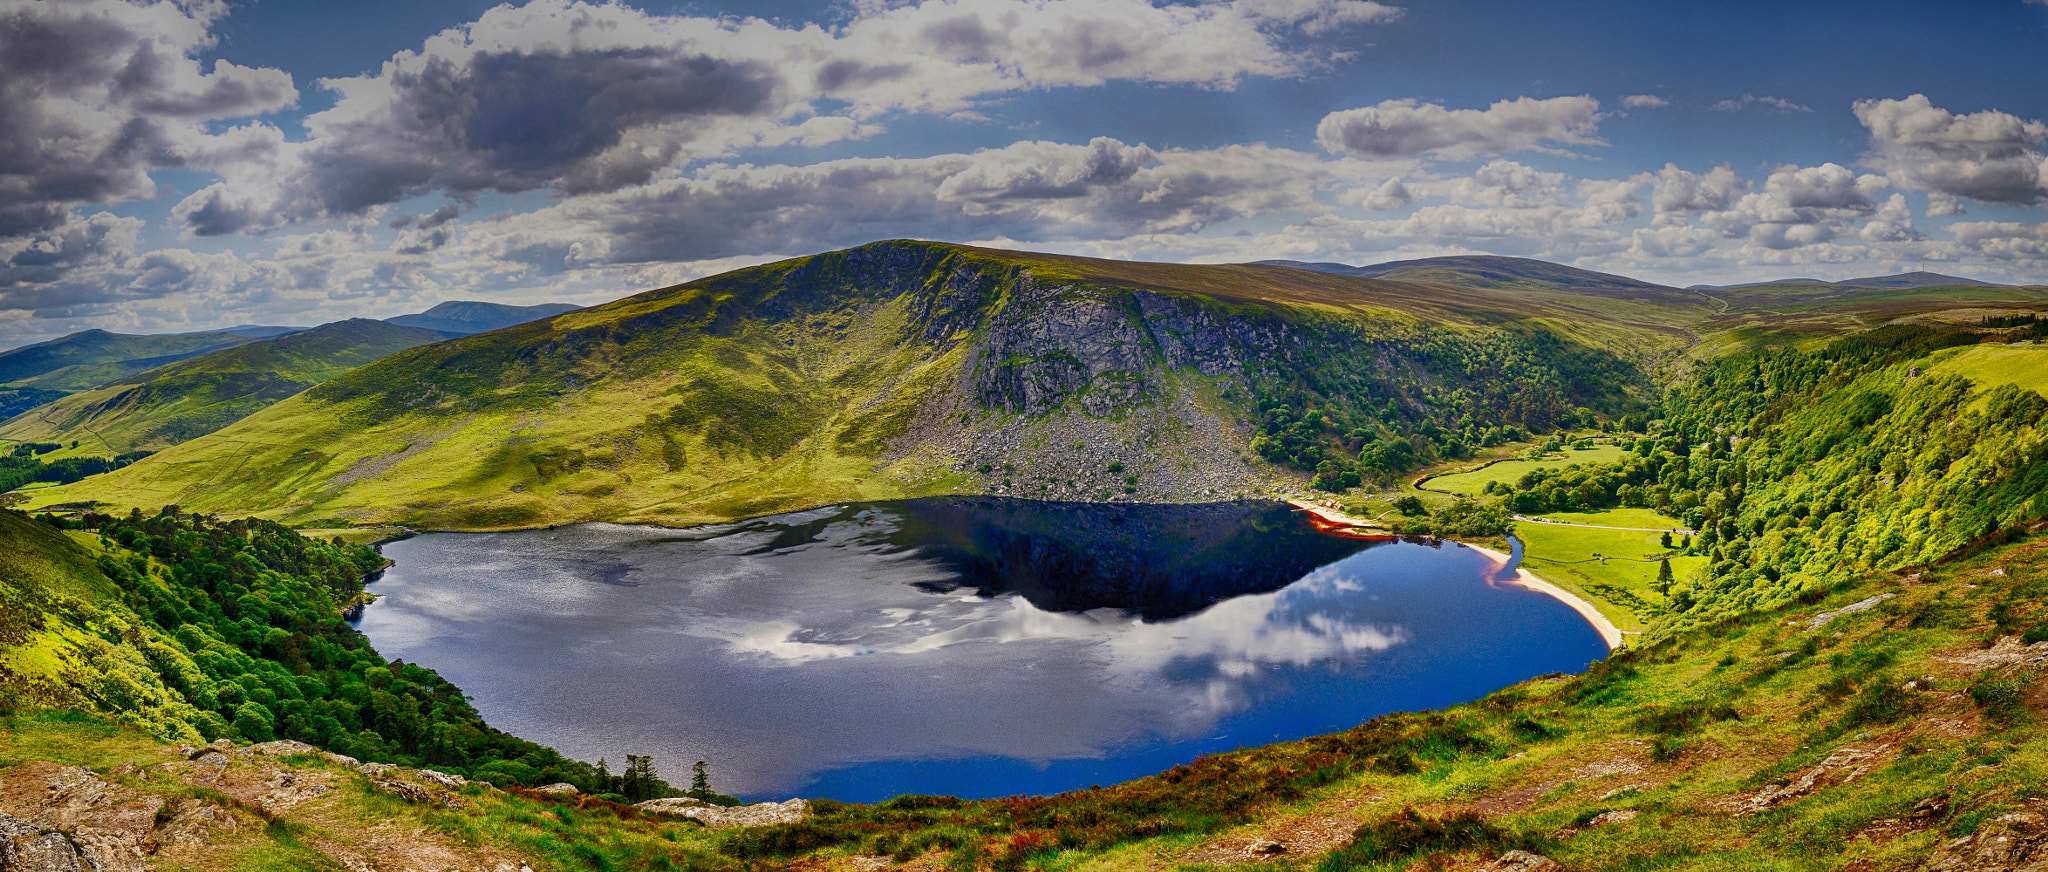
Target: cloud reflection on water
x: 801, y: 644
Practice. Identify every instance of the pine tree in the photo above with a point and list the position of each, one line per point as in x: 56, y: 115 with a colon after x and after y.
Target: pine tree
x: 700, y: 781
x: 1664, y: 578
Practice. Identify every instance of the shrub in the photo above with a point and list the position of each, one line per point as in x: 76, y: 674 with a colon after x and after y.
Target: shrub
x: 1409, y: 833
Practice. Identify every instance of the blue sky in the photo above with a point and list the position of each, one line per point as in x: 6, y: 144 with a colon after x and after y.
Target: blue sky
x: 198, y: 164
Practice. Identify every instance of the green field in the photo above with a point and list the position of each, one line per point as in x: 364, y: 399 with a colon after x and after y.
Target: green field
x: 2024, y: 366
x: 1509, y: 471
x: 1624, y: 586
x: 1647, y: 519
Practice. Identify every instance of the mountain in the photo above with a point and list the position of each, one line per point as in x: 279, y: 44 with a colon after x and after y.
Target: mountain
x: 198, y: 395
x: 1486, y: 271
x: 1916, y: 280
x: 908, y: 368
x: 93, y: 357
x: 462, y: 318
x: 1908, y: 280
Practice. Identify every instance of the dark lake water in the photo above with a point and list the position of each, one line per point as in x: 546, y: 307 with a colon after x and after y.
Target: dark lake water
x: 967, y: 646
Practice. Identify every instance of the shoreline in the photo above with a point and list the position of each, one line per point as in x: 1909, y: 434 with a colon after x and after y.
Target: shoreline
x: 1609, y: 633
x: 1335, y: 521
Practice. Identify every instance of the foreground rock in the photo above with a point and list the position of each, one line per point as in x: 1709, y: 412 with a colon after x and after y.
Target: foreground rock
x: 759, y: 814
x: 2015, y: 842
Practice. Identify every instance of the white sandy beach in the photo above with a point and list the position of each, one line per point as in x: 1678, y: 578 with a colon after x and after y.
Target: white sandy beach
x: 1609, y: 633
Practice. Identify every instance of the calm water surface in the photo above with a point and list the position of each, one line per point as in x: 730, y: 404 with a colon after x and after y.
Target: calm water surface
x: 971, y: 646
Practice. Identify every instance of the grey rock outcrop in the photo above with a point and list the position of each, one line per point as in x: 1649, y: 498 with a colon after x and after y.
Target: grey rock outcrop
x: 2016, y: 842
x: 759, y: 814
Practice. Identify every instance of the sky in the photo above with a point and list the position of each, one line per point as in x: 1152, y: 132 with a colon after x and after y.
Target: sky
x: 198, y: 164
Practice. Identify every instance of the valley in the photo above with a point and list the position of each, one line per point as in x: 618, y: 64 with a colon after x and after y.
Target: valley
x: 1828, y: 606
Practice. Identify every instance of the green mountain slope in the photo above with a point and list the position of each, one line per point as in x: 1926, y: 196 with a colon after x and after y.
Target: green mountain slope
x: 463, y: 317
x: 198, y: 395
x: 94, y: 357
x: 907, y: 368
x: 1496, y: 272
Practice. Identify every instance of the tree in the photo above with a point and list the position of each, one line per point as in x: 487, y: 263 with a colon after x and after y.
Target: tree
x: 1664, y: 576
x: 700, y: 780
x: 1665, y: 540
x: 1410, y: 505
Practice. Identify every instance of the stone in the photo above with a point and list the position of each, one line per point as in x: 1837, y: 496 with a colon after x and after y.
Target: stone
x: 1841, y: 767
x: 1522, y: 861
x: 195, y: 822
x: 759, y: 814
x: 1617, y: 816
x: 51, y: 852
x: 375, y: 770
x: 280, y: 748
x: 672, y: 804
x: 1266, y: 847
x: 559, y: 788
x: 442, y: 778
x: 1820, y: 620
x: 2016, y: 842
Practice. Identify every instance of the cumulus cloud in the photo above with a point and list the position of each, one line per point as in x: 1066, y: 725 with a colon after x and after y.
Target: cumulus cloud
x: 1643, y: 101
x: 95, y: 94
x: 1680, y: 194
x: 1024, y: 191
x: 1988, y: 156
x: 1746, y: 101
x: 575, y: 98
x: 1408, y: 128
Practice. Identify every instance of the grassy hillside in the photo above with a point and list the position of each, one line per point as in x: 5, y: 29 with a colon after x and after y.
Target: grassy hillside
x: 196, y: 396
x: 93, y: 357
x: 1799, y: 738
x: 464, y: 317
x: 901, y: 369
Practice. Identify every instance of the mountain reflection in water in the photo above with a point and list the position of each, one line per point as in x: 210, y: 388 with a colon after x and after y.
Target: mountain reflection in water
x: 967, y: 645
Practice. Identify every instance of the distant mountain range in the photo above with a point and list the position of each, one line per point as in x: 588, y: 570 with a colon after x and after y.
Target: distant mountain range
x: 1899, y: 281
x: 124, y: 392
x: 1484, y: 271
x: 198, y: 395
x: 466, y: 318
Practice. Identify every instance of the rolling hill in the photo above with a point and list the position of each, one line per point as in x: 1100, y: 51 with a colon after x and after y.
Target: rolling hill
x: 36, y: 374
x: 198, y: 395
x: 1490, y: 271
x: 906, y: 368
x: 1895, y: 281
x: 464, y: 317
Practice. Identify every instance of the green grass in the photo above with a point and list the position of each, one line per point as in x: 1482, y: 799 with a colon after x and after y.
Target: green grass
x: 1620, y: 587
x: 2024, y: 366
x: 196, y: 396
x: 1643, y: 518
x: 773, y: 388
x: 1471, y: 483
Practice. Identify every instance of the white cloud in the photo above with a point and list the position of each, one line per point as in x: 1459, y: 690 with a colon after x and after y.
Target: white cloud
x: 1775, y: 104
x: 94, y: 94
x: 1679, y: 195
x: 1988, y: 156
x: 574, y: 98
x: 1644, y: 101
x: 1407, y: 128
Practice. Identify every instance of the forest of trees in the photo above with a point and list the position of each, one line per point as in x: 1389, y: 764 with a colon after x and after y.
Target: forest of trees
x: 1431, y: 397
x: 24, y: 465
x: 253, y: 637
x: 1803, y: 469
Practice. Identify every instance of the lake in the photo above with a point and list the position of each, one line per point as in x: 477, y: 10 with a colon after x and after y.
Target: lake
x: 967, y: 646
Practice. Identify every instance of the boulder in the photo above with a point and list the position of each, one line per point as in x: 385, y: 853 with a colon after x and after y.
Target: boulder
x: 759, y: 814
x: 2016, y: 842
x: 559, y: 788
x: 1523, y: 861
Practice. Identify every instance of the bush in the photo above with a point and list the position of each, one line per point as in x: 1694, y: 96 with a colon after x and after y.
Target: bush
x: 1409, y: 833
x: 2002, y: 697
